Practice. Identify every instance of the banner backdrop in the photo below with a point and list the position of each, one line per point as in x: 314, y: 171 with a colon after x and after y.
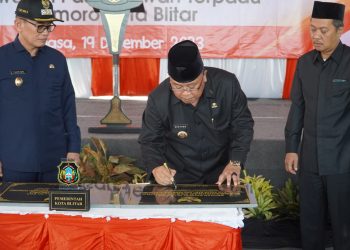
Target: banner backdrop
x: 221, y: 28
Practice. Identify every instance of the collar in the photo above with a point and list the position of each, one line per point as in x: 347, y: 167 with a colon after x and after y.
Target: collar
x: 336, y: 55
x: 19, y: 47
x: 208, y: 89
x: 338, y: 52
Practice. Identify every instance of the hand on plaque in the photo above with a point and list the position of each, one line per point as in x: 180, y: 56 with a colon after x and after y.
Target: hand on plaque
x: 230, y: 190
x: 164, y: 176
x: 230, y: 174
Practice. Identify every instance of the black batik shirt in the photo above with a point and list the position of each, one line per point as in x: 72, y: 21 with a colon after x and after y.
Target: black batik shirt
x: 197, y: 141
x: 320, y: 111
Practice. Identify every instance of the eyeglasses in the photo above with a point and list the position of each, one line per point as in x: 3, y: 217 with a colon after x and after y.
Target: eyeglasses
x: 40, y: 28
x: 179, y: 88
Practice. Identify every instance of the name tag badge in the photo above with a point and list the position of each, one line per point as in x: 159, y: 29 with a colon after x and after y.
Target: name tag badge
x: 18, y: 72
x: 46, y: 12
x: 339, y: 80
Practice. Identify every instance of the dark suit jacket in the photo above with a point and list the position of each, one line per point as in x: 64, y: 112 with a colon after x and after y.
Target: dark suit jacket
x: 320, y: 112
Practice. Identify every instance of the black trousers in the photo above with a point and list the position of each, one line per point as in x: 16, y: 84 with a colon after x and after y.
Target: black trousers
x: 320, y: 197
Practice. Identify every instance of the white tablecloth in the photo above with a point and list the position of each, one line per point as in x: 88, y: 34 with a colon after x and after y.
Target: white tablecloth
x: 232, y: 217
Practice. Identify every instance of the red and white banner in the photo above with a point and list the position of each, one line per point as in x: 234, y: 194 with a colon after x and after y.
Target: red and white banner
x: 221, y: 28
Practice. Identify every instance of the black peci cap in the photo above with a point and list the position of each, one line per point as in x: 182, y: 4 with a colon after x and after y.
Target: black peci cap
x: 184, y: 62
x: 327, y: 10
x: 37, y: 10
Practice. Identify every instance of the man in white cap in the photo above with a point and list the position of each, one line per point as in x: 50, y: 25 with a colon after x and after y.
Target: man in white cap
x: 318, y: 127
x: 197, y: 127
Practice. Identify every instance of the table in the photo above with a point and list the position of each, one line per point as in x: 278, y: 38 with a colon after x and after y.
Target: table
x: 37, y: 231
x: 34, y: 226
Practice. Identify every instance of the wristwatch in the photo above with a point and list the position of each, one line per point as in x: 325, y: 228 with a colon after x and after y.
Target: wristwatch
x: 236, y: 163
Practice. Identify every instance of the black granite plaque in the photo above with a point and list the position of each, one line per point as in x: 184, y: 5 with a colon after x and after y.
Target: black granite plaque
x: 137, y: 195
x: 26, y: 192
x: 184, y: 194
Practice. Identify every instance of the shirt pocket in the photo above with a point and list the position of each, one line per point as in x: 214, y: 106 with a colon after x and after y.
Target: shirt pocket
x: 10, y: 92
x: 339, y: 86
x: 221, y: 137
x: 54, y: 88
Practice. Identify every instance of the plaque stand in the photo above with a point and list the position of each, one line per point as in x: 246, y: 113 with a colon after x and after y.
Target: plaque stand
x: 114, y: 15
x: 69, y: 198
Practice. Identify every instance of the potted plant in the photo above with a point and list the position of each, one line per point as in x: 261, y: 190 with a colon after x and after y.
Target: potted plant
x: 97, y: 166
x: 274, y: 222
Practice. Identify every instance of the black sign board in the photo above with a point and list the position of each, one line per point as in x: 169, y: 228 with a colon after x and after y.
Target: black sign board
x: 70, y: 199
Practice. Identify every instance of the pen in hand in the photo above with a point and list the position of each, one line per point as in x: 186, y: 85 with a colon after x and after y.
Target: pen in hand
x: 172, y: 178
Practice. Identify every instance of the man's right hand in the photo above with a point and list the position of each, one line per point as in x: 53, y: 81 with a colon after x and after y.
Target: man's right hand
x: 163, y: 176
x: 291, y: 163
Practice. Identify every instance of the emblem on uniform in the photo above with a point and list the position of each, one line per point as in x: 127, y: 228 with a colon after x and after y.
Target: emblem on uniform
x: 182, y: 134
x: 45, y: 3
x: 214, y: 105
x: 46, y: 11
x: 51, y: 66
x: 68, y: 173
x: 18, y: 81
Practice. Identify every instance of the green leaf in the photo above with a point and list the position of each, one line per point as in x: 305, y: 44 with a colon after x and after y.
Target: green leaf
x: 100, y: 146
x: 125, y: 160
x: 121, y: 168
x: 135, y: 171
x: 103, y: 168
x: 114, y: 159
x: 287, y: 201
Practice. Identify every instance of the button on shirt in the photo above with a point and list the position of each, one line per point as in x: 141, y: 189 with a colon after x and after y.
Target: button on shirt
x: 38, y: 123
x: 321, y: 110
x: 218, y: 129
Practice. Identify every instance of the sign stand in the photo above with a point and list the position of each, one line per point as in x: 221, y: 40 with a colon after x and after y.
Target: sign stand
x: 115, y: 14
